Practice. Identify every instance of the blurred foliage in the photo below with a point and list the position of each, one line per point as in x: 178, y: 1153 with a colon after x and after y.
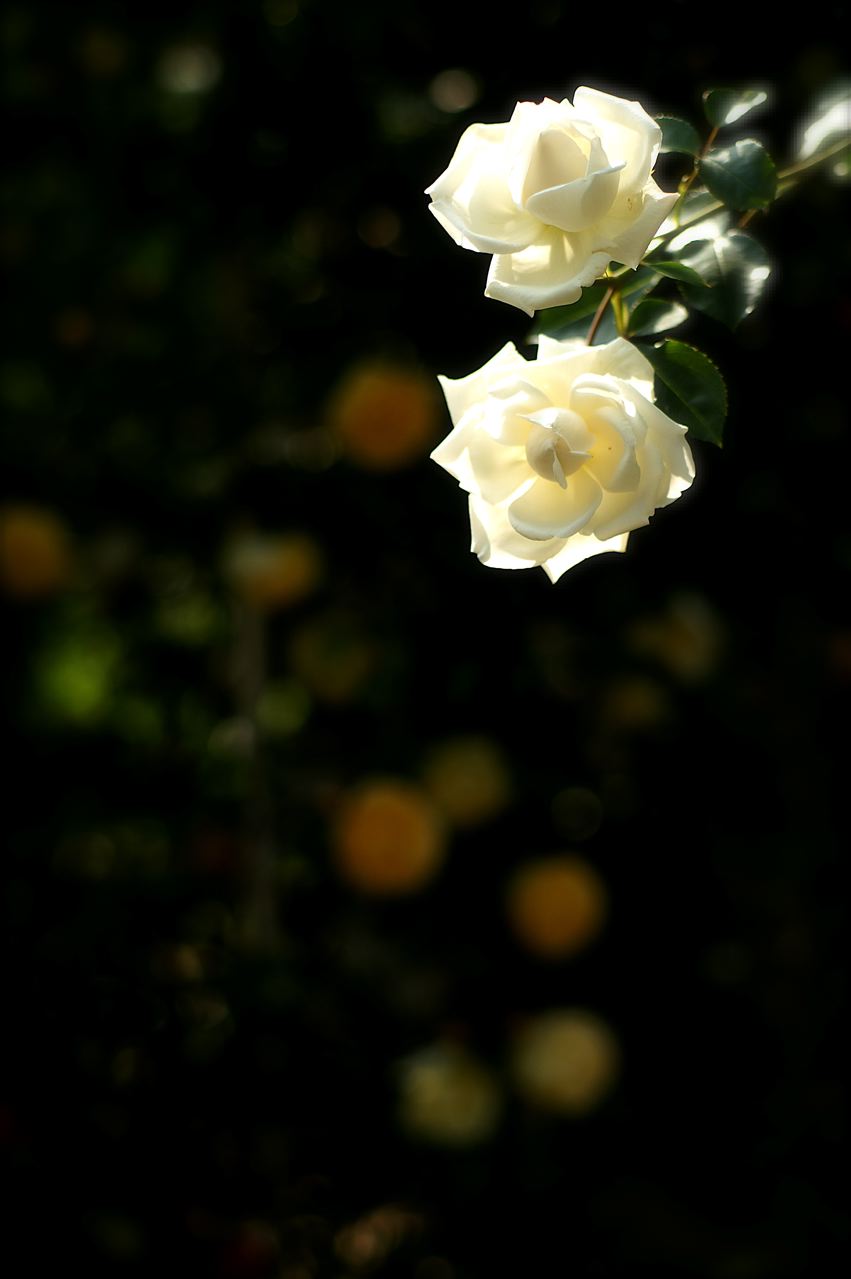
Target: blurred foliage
x: 230, y: 606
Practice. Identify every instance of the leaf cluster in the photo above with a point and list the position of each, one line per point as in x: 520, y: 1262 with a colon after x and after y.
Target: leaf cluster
x: 706, y: 260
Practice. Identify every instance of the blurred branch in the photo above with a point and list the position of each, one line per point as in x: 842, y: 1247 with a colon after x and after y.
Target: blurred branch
x: 258, y: 925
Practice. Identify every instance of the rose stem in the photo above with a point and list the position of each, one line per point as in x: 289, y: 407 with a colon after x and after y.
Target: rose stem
x: 598, y: 315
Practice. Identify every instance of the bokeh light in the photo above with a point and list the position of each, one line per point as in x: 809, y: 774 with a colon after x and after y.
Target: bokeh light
x: 273, y: 571
x: 556, y: 905
x: 447, y: 1097
x: 469, y: 780
x: 385, y: 416
x: 35, y: 552
x: 565, y: 1060
x: 388, y: 838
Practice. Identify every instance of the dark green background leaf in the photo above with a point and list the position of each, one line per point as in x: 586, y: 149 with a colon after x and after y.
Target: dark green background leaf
x: 728, y: 106
x: 677, y: 271
x: 689, y: 388
x: 738, y: 269
x: 678, y: 135
x: 744, y: 175
x: 652, y: 315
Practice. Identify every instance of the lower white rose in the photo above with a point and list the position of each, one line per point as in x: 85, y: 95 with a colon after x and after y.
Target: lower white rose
x: 562, y: 456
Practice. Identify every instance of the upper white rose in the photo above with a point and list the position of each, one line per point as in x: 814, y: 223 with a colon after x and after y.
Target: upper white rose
x: 562, y: 455
x: 555, y: 194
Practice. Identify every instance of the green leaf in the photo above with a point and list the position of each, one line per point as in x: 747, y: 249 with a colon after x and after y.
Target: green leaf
x: 678, y: 135
x: 640, y: 281
x: 743, y: 176
x: 677, y: 271
x: 738, y: 269
x: 689, y: 388
x: 828, y: 124
x: 652, y: 315
x: 728, y: 106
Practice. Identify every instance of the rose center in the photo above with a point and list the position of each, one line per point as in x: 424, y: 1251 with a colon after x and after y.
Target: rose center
x: 551, y: 456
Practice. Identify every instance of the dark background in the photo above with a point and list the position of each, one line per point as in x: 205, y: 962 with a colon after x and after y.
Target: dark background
x: 190, y: 274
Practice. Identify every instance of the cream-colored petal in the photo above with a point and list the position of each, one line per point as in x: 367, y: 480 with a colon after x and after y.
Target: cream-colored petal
x: 579, y: 548
x: 463, y: 392
x: 628, y: 133
x: 616, y: 359
x: 670, y: 439
x: 626, y: 231
x: 622, y: 512
x: 497, y: 544
x: 546, y: 510
x: 552, y: 272
x: 471, y: 199
x: 481, y: 465
x: 528, y: 121
x: 509, y: 406
x: 613, y: 458
x: 567, y: 424
x: 578, y: 205
x: 556, y: 159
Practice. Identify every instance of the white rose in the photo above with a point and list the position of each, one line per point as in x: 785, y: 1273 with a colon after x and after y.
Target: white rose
x: 556, y: 193
x: 562, y: 456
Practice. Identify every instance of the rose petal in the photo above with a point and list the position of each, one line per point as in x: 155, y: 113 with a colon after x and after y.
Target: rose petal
x: 462, y: 392
x: 632, y: 222
x: 628, y: 134
x: 613, y: 461
x: 496, y: 472
x: 471, y: 199
x: 497, y: 544
x: 576, y: 206
x: 579, y: 548
x: 618, y: 359
x: 546, y: 510
x: 528, y: 121
x: 551, y: 272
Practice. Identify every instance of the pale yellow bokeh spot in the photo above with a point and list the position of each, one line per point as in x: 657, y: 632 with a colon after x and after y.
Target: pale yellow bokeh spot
x: 468, y: 779
x: 565, y: 1060
x: 447, y: 1097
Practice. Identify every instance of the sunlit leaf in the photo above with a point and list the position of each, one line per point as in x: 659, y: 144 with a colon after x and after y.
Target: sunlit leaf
x: 728, y: 106
x: 744, y: 175
x: 677, y: 271
x: 678, y: 136
x: 827, y: 126
x: 738, y: 269
x: 652, y: 315
x: 689, y: 388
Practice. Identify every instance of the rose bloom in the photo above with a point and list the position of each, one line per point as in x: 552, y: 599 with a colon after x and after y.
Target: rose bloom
x: 562, y: 456
x: 555, y: 194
